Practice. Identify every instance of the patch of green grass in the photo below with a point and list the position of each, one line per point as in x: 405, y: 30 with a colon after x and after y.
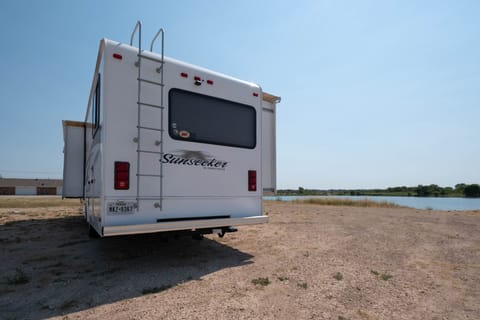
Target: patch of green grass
x: 37, y: 202
x: 20, y: 277
x: 306, y: 254
x: 386, y: 276
x: 37, y: 259
x: 156, y: 289
x: 41, y: 258
x: 72, y: 243
x: 303, y: 285
x: 57, y: 272
x: 261, y: 281
x: 56, y: 265
x: 107, y: 272
x: 347, y: 202
x: 338, y: 276
x: 383, y: 276
x: 282, y: 278
x: 69, y: 304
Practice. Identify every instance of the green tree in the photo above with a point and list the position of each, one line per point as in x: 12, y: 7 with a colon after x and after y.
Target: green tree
x: 460, y: 187
x: 422, y: 191
x: 301, y: 190
x: 435, y: 190
x: 446, y: 191
x: 472, y: 191
x: 428, y: 191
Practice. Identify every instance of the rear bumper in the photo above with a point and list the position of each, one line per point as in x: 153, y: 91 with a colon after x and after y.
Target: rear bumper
x: 182, y: 225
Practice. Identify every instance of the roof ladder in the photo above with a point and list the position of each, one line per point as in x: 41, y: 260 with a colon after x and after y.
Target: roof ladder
x: 142, y: 104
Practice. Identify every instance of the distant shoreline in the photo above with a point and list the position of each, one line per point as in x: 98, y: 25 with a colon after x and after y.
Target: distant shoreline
x: 421, y: 203
x: 347, y: 193
x: 460, y: 190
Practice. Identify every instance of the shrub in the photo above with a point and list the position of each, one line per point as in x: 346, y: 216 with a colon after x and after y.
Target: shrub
x: 261, y: 281
x: 19, y: 278
x: 303, y: 285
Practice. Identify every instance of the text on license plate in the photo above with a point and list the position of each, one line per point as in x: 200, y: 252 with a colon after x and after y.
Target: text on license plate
x: 120, y: 207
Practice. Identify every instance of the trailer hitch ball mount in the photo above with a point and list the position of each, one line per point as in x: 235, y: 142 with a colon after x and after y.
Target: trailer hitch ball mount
x: 221, y: 231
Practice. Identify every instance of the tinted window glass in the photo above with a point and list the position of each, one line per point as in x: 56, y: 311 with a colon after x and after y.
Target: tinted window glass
x: 96, y: 108
x: 200, y: 118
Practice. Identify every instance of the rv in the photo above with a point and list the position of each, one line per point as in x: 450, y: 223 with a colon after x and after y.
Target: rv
x: 169, y: 146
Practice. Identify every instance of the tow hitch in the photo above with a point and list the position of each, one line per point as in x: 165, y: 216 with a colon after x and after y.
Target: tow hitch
x: 221, y: 231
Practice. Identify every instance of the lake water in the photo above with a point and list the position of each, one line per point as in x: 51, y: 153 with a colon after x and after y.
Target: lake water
x: 412, y: 202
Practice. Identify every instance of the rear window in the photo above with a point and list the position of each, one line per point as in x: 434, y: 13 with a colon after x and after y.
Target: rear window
x: 200, y: 118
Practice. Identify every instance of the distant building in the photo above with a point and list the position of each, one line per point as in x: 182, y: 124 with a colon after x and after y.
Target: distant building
x: 30, y: 187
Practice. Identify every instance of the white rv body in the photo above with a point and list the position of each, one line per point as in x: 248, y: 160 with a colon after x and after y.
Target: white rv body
x: 198, y: 158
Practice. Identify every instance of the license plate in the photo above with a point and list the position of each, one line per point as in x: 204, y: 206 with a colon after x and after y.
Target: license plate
x: 120, y: 207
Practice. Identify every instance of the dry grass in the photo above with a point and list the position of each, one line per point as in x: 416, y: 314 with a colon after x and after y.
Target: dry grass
x: 348, y: 203
x: 37, y: 202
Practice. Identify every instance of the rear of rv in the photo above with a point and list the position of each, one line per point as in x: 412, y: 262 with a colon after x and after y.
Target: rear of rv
x: 170, y: 146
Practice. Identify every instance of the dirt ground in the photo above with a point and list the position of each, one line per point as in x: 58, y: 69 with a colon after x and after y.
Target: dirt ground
x: 309, y: 262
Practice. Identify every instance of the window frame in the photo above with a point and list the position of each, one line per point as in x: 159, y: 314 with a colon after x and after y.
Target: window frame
x: 96, y: 107
x: 232, y: 103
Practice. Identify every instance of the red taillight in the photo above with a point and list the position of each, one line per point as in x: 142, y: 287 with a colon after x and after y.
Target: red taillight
x: 197, y: 78
x: 252, y: 180
x: 210, y: 81
x: 184, y: 75
x: 122, y: 175
x: 117, y: 56
x: 255, y: 94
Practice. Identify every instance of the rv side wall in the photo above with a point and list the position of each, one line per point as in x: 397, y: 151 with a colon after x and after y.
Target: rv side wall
x: 73, y: 168
x: 268, y: 148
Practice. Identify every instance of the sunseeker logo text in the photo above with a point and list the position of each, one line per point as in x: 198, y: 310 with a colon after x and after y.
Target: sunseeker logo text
x: 195, y: 159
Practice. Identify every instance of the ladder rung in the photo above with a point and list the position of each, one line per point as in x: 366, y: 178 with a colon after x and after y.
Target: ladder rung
x: 149, y: 128
x: 150, y: 105
x: 149, y: 175
x: 151, y: 82
x: 146, y: 151
x: 151, y: 59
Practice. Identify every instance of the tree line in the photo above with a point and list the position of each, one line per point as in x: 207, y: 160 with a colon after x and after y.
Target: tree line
x: 432, y: 190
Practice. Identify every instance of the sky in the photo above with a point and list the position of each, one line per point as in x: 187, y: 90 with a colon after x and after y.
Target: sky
x: 374, y: 93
